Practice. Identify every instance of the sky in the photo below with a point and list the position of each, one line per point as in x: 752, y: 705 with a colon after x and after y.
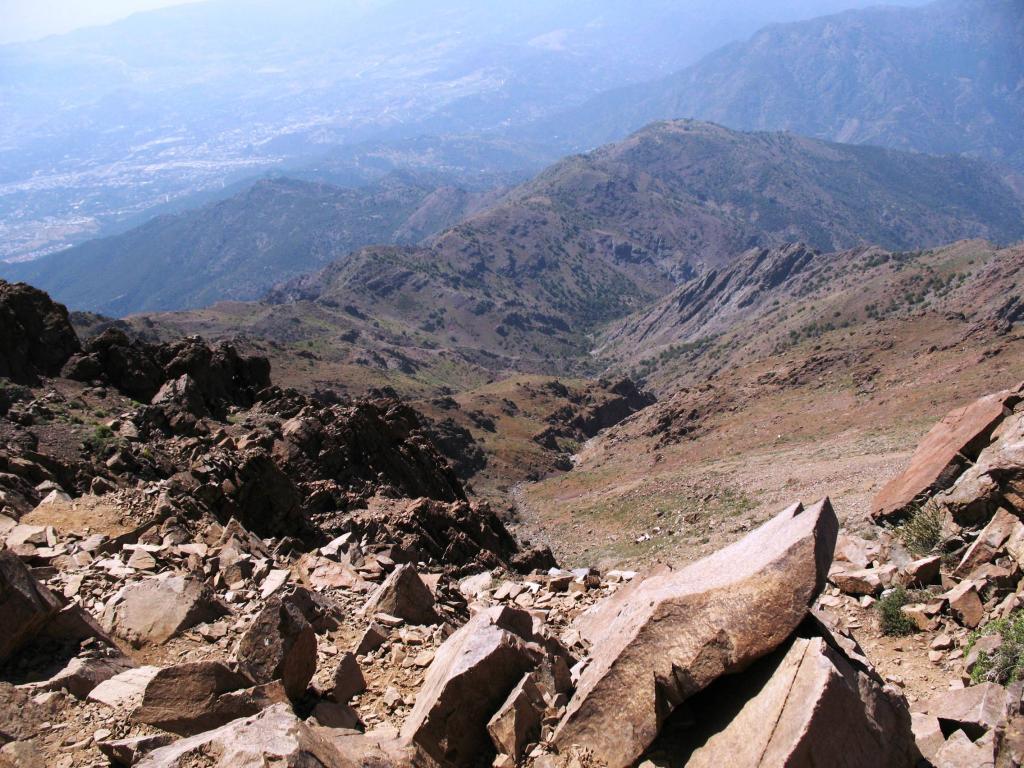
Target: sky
x: 31, y: 19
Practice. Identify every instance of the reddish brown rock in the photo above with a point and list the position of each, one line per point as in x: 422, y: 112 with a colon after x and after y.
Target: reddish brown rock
x: 191, y: 698
x: 517, y: 722
x: 403, y: 594
x: 922, y: 572
x: 975, y: 710
x: 156, y: 610
x: 674, y: 633
x: 348, y: 679
x: 808, y: 705
x: 943, y: 454
x: 25, y: 605
x: 280, y: 645
x: 277, y: 737
x: 965, y: 604
x: 472, y: 674
x: 992, y: 537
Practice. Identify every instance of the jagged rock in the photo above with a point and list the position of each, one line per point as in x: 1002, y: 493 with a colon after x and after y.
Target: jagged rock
x: 403, y: 594
x: 667, y: 637
x: 82, y: 675
x: 128, y: 752
x: 348, y: 679
x: 472, y: 674
x: 183, y: 393
x: 922, y: 572
x: 25, y: 605
x: 943, y: 454
x: 373, y: 638
x: 807, y: 704
x: 517, y: 722
x: 992, y: 537
x: 960, y: 751
x: 157, y: 609
x: 197, y: 696
x: 974, y: 710
x: 277, y: 737
x: 280, y: 645
x: 965, y: 604
x: 124, y: 691
x: 461, y: 536
x: 36, y: 337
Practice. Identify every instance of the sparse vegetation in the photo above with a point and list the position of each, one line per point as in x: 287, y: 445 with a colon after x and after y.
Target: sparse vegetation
x: 1006, y: 664
x: 893, y: 620
x: 922, y: 531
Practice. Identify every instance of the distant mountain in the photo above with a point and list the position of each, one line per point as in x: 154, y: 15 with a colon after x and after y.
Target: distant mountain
x: 944, y: 78
x: 238, y: 248
x: 108, y: 122
x: 772, y: 300
x: 599, y: 236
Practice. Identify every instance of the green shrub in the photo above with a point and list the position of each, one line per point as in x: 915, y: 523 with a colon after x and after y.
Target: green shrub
x: 922, y: 532
x: 894, y: 621
x: 1006, y: 664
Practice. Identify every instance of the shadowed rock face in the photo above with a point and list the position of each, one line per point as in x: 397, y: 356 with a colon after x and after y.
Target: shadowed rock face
x: 36, y: 336
x: 653, y: 653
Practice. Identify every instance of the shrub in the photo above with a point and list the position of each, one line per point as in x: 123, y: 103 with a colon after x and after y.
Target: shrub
x: 922, y: 531
x: 1006, y: 664
x: 893, y: 620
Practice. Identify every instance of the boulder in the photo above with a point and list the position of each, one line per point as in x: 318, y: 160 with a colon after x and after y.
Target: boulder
x: 348, y: 679
x: 83, y: 673
x: 943, y: 454
x: 806, y: 705
x: 965, y: 604
x: 25, y: 605
x: 197, y: 696
x: 991, y: 539
x: 517, y: 722
x: 129, y: 751
x: 36, y: 336
x: 667, y: 637
x: 921, y: 573
x: 155, y: 610
x: 403, y: 594
x: 277, y: 737
x: 124, y: 691
x: 975, y: 710
x: 280, y: 645
x: 473, y: 673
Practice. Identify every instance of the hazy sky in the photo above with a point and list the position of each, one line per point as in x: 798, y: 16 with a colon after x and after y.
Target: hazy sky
x: 29, y: 19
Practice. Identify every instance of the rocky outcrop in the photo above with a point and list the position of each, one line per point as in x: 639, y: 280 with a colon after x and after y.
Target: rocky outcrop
x: 36, y: 337
x: 807, y: 704
x: 650, y: 654
x: 25, y: 605
x: 944, y: 453
x: 472, y: 674
x: 280, y: 645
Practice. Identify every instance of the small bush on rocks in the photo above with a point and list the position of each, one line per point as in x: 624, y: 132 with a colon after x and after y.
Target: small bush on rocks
x: 893, y: 620
x: 922, y: 532
x: 1006, y: 664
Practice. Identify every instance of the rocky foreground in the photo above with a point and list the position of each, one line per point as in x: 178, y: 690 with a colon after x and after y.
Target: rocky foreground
x: 200, y: 569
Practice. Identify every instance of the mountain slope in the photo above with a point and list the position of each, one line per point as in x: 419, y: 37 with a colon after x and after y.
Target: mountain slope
x: 240, y: 247
x: 770, y: 301
x: 111, y: 121
x: 600, y: 236
x: 944, y: 78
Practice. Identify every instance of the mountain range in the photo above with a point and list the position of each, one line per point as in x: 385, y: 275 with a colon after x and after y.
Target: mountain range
x: 524, y: 284
x: 944, y: 78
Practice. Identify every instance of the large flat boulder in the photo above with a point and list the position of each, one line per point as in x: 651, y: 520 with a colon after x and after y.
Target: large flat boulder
x: 807, y: 704
x: 154, y: 611
x: 201, y: 695
x: 943, y: 454
x: 276, y: 737
x: 25, y: 605
x: 470, y: 678
x: 670, y: 635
